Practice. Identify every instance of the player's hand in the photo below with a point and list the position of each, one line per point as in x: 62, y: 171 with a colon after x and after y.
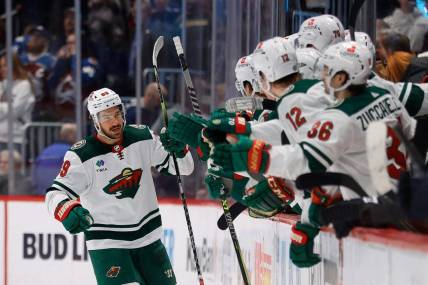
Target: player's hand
x: 172, y: 145
x: 320, y: 199
x: 73, y: 216
x: 230, y: 125
x: 245, y: 155
x: 186, y: 129
x: 269, y: 196
x: 221, y: 113
x: 215, y: 186
x: 302, y: 245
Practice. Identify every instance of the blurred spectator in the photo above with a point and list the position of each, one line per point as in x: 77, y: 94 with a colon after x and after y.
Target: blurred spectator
x: 165, y: 20
x: 385, y: 8
x: 419, y: 32
x: 49, y: 161
x: 22, y: 101
x: 33, y: 53
x: 62, y: 81
x: 404, y: 17
x: 395, y: 56
x: 148, y: 40
x: 107, y: 30
x: 150, y: 106
x: 60, y: 39
x: 23, y: 185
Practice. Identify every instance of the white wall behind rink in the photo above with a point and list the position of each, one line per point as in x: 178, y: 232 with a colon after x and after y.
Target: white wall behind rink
x: 40, y: 251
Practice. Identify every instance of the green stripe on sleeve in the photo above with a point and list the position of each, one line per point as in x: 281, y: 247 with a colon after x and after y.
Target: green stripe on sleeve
x: 64, y: 187
x: 147, y: 228
x: 415, y: 100
x: 318, y: 161
x: 403, y: 91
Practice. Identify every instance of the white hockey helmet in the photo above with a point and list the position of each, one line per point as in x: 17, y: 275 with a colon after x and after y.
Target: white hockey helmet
x: 349, y: 57
x: 294, y: 39
x: 103, y: 99
x: 275, y: 58
x: 362, y: 38
x: 308, y: 60
x: 320, y: 32
x: 245, y: 72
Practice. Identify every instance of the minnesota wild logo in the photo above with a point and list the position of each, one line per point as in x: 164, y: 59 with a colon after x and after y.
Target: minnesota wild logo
x: 125, y: 184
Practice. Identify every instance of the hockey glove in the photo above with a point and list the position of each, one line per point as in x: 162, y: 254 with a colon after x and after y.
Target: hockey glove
x: 269, y: 196
x: 214, y: 185
x: 186, y: 129
x: 73, y: 216
x: 230, y: 125
x: 235, y: 187
x: 302, y: 245
x: 171, y: 145
x: 320, y: 199
x: 221, y: 113
x: 245, y: 155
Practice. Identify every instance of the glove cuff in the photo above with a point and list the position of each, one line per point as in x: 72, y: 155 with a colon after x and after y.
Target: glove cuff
x: 181, y: 154
x: 298, y: 237
x: 64, y: 208
x: 258, y: 157
x: 280, y: 189
x: 319, y: 196
x: 241, y: 126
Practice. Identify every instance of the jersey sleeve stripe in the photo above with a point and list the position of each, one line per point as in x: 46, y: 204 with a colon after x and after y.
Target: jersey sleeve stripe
x: 415, y: 99
x: 146, y: 229
x: 163, y: 163
x: 318, y: 161
x: 65, y: 188
x: 403, y: 91
x: 408, y: 90
x: 156, y: 211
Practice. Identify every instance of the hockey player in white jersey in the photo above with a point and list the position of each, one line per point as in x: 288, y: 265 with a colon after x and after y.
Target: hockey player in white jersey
x: 247, y: 82
x: 320, y: 32
x: 105, y: 189
x: 335, y: 141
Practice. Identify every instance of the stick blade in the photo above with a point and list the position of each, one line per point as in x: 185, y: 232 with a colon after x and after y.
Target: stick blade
x: 376, y: 145
x: 178, y: 45
x: 156, y: 49
x: 234, y: 210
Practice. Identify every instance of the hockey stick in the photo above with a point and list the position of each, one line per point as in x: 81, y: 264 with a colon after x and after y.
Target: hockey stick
x: 305, y: 181
x: 314, y: 179
x: 355, y: 9
x: 156, y: 49
x: 223, y: 193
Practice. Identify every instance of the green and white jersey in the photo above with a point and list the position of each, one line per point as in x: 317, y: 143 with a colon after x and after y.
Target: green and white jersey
x: 414, y: 96
x: 295, y: 109
x: 336, y: 140
x: 115, y: 184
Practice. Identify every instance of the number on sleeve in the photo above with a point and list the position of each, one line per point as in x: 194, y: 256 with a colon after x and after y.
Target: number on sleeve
x: 64, y: 168
x: 322, y: 131
x: 398, y: 164
x: 295, y: 117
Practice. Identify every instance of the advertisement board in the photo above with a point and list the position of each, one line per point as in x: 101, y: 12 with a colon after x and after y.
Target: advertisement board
x: 39, y: 251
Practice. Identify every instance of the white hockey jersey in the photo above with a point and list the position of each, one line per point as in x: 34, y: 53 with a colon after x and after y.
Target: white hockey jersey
x: 295, y: 109
x: 115, y: 184
x: 414, y: 96
x: 336, y: 140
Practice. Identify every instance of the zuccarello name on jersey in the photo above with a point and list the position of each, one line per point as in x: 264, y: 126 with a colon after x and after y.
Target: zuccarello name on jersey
x: 376, y: 111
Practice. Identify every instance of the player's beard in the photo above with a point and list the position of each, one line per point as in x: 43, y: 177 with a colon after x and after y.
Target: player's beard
x: 114, y: 132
